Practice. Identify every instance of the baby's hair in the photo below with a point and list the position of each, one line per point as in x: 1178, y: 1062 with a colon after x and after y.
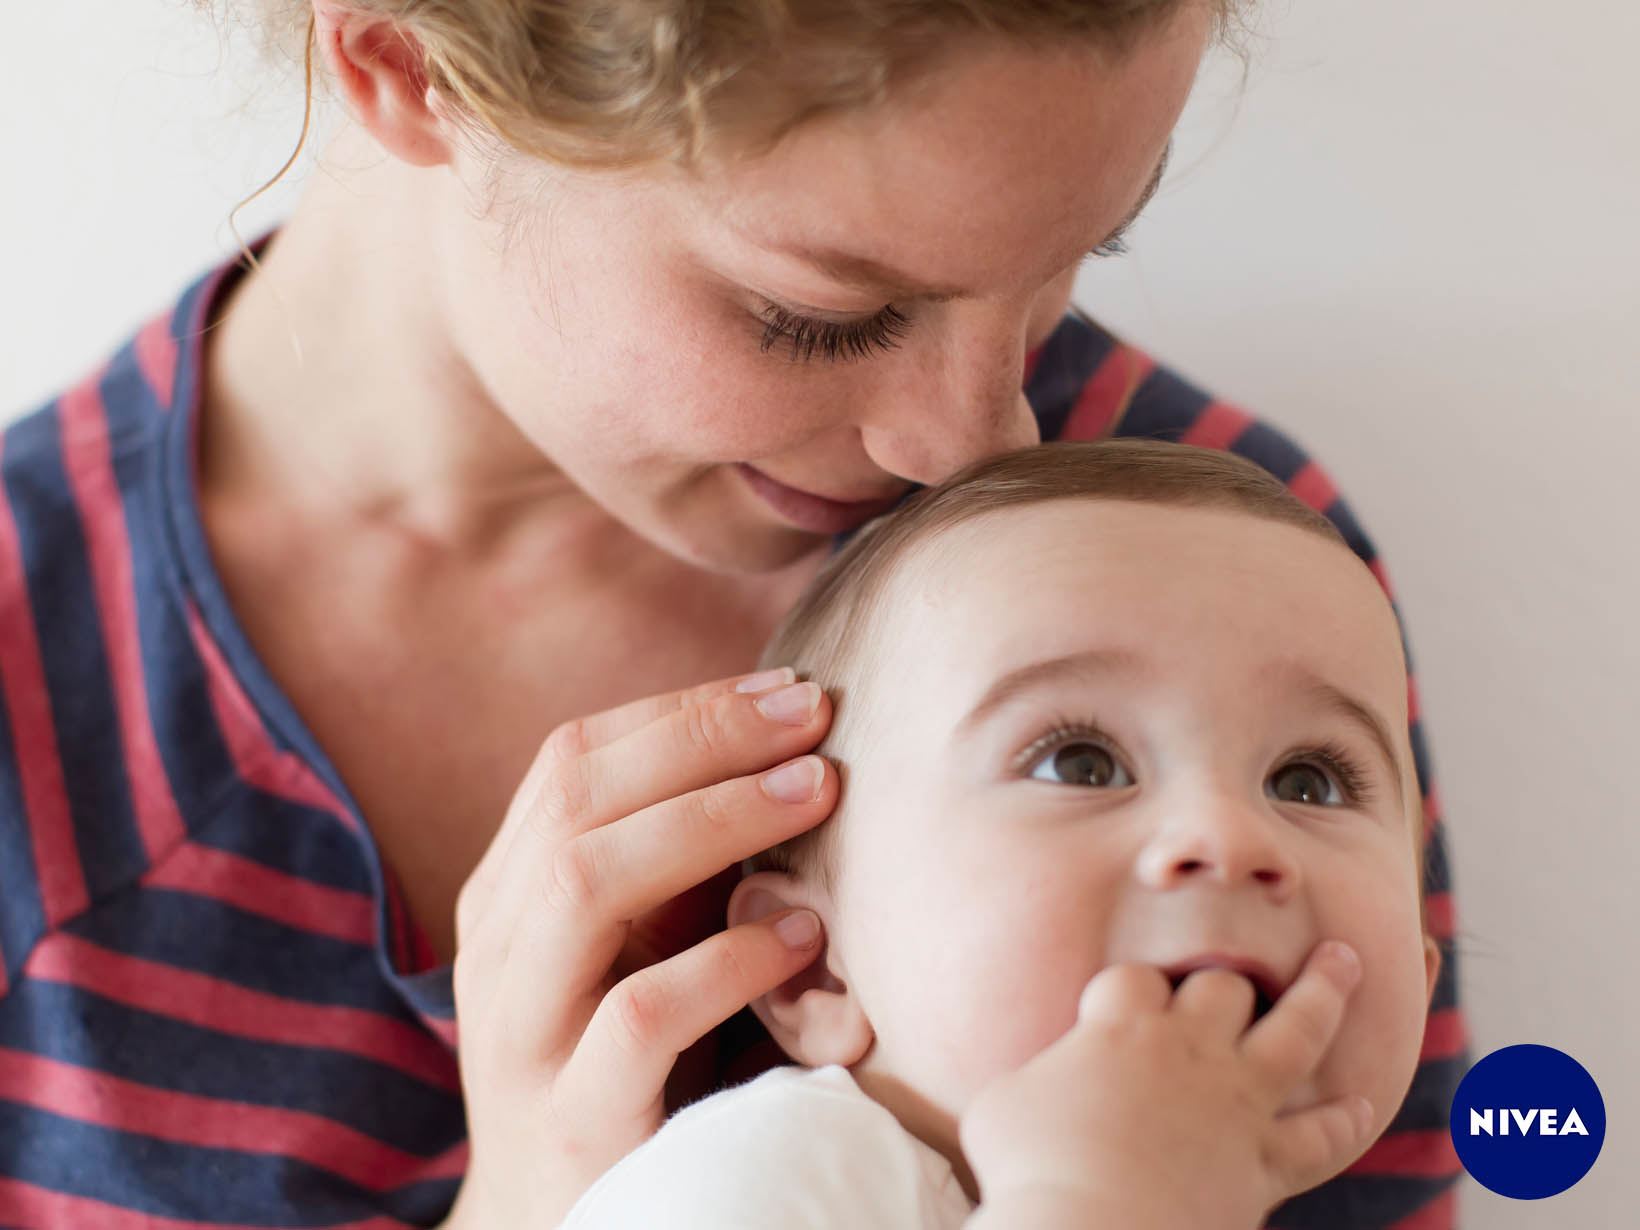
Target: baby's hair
x: 828, y: 635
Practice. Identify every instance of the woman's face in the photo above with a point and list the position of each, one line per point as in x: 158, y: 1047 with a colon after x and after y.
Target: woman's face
x: 639, y: 328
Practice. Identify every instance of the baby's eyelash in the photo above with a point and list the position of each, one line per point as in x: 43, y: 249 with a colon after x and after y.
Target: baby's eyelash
x: 1352, y: 778
x: 1063, y: 729
x: 857, y: 339
x: 1115, y: 246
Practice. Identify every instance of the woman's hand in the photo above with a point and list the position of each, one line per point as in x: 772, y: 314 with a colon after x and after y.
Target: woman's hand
x: 578, y: 975
x: 1160, y: 1110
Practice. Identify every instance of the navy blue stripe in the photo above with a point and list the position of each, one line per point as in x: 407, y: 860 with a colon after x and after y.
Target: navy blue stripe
x: 294, y: 838
x: 1352, y: 1201
x: 1069, y: 358
x: 374, y: 1098
x: 1269, y: 448
x: 77, y: 670
x: 247, y: 950
x: 198, y: 766
x: 168, y: 1179
x: 1164, y: 407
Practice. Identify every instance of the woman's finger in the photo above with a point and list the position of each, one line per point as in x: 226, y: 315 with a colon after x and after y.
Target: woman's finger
x: 1289, y: 1041
x: 653, y: 1015
x: 701, y: 736
x: 595, y: 884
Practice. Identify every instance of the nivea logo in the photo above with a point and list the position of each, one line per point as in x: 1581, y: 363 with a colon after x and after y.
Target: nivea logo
x: 1480, y: 1122
x: 1535, y: 1121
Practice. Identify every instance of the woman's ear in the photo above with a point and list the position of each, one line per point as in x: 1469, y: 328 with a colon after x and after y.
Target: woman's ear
x: 814, y: 1016
x: 378, y: 72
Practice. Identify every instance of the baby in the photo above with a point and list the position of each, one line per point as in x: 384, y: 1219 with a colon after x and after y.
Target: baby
x: 1106, y: 715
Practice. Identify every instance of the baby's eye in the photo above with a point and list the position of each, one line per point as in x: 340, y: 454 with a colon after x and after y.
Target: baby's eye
x: 1303, y: 782
x: 1080, y: 763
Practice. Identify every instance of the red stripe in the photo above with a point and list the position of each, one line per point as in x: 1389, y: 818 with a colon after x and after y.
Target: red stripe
x: 157, y: 358
x: 1032, y: 357
x: 1426, y: 1154
x: 257, y: 889
x: 259, y: 761
x: 1377, y: 567
x: 38, y: 1208
x: 57, y: 867
x: 1312, y: 485
x: 1444, y: 1035
x: 1438, y: 909
x: 210, y: 1123
x: 215, y: 1004
x: 1219, y: 426
x: 1106, y: 393
x: 102, y: 517
x: 1414, y: 708
x: 1440, y: 1213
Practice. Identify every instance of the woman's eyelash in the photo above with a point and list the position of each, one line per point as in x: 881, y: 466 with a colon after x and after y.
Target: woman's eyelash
x: 1352, y: 778
x: 855, y: 340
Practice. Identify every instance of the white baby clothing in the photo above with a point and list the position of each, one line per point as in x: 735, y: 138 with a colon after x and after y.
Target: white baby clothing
x: 794, y: 1149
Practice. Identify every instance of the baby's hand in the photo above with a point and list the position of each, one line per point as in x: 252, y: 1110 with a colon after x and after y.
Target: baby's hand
x: 1159, y: 1110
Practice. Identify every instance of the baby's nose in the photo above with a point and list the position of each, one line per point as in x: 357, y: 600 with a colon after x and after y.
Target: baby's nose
x: 1222, y: 843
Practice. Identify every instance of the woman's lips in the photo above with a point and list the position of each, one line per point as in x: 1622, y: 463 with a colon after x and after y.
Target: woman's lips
x: 812, y: 512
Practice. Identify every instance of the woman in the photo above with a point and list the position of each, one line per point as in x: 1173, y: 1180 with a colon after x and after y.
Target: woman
x: 540, y: 410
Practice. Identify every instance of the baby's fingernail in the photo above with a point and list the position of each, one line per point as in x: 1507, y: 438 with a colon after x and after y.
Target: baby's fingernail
x: 1345, y: 960
x: 764, y: 680
x: 799, y: 929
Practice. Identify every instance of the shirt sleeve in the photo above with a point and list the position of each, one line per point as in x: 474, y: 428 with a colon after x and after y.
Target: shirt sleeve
x: 791, y: 1153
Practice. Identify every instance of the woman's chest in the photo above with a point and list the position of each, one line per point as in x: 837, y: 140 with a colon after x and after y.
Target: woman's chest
x: 432, y: 702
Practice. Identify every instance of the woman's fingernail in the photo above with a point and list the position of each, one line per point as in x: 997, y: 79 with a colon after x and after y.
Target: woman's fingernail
x: 764, y: 680
x: 793, y: 706
x: 799, y: 929
x: 796, y: 782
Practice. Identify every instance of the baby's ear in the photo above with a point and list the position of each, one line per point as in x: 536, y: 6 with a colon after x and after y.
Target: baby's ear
x: 813, y: 1015
x: 1432, y: 967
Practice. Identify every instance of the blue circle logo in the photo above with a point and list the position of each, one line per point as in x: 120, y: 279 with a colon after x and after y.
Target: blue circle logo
x: 1528, y: 1121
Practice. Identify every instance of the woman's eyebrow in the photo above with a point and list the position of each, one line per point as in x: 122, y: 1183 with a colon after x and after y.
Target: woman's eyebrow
x: 850, y: 269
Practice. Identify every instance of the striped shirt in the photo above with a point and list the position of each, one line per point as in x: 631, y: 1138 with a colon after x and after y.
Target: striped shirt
x: 214, y: 1008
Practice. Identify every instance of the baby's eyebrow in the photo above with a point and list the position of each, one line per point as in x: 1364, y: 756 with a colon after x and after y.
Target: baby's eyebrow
x: 1337, y: 701
x: 1083, y: 665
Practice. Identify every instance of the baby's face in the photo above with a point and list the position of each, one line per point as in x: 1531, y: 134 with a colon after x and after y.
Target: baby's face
x: 1104, y: 732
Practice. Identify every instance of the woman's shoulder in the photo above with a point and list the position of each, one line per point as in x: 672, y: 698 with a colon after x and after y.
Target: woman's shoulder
x: 1085, y: 383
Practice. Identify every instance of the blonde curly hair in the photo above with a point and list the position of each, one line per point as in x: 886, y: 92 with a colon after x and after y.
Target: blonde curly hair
x: 622, y: 83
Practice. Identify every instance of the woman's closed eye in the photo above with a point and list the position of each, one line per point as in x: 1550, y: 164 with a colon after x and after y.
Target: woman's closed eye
x: 854, y: 339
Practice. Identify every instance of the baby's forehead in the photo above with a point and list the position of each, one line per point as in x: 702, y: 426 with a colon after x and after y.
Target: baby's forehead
x: 988, y: 588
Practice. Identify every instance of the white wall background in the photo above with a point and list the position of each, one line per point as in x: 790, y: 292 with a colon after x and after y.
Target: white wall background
x: 1413, y: 239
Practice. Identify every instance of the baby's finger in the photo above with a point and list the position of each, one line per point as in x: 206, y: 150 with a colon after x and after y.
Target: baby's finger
x: 1219, y: 996
x: 652, y: 1016
x: 1118, y: 991
x: 1290, y: 1040
x: 1310, y: 1146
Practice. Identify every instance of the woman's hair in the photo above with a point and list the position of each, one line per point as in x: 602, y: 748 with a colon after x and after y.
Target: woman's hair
x: 832, y: 634
x: 621, y: 83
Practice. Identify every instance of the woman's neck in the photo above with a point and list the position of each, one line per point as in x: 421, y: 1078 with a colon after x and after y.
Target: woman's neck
x: 332, y: 377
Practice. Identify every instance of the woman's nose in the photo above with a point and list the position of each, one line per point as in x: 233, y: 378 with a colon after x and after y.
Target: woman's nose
x: 1223, y: 842
x: 950, y: 412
